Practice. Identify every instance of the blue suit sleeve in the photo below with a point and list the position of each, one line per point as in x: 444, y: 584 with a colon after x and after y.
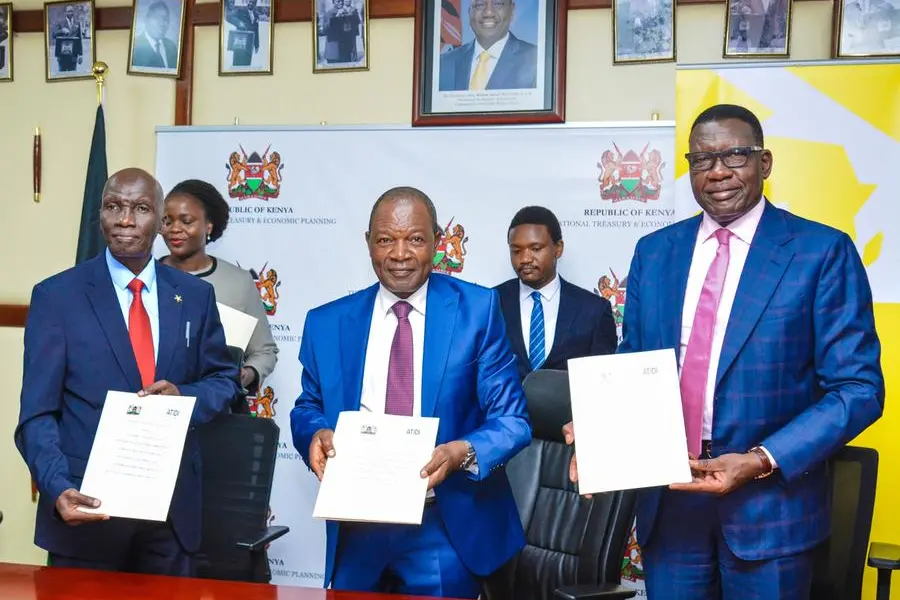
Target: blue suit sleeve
x: 307, y: 416
x: 41, y: 404
x: 631, y: 329
x: 506, y: 428
x: 217, y: 378
x: 848, y: 367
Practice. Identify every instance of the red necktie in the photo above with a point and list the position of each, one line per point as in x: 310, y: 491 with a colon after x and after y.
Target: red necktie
x: 140, y: 334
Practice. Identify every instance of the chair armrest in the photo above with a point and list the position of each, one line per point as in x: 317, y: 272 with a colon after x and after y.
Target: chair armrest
x: 606, y: 591
x: 269, y: 535
x: 884, y: 556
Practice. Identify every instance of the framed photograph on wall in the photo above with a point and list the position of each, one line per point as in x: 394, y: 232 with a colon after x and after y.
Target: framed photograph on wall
x: 483, y: 62
x: 866, y: 28
x: 341, y: 39
x: 6, y: 42
x: 246, y: 37
x: 69, y: 44
x: 157, y: 33
x: 757, y: 28
x: 643, y: 31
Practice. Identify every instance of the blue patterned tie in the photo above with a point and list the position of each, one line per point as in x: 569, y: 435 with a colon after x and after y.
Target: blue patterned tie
x: 536, y: 336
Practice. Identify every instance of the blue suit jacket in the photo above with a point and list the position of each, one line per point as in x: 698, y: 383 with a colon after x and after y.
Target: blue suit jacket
x: 516, y: 69
x: 584, y: 325
x: 76, y: 349
x: 469, y: 382
x: 799, y: 371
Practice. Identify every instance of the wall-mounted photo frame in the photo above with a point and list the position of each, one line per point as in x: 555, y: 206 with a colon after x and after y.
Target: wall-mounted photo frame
x: 482, y: 62
x: 157, y: 35
x: 341, y: 35
x: 6, y: 42
x: 643, y: 31
x: 757, y: 29
x: 866, y: 28
x: 246, y: 37
x: 69, y: 43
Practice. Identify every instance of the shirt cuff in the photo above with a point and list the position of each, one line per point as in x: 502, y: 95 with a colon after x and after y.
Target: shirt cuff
x: 771, y: 458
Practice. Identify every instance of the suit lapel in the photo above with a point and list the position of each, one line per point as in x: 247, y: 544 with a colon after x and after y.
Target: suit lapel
x: 513, y: 316
x: 354, y: 337
x: 463, y: 66
x: 767, y: 261
x: 498, y: 80
x: 565, y: 318
x: 674, y: 282
x: 170, y: 327
x: 440, y: 318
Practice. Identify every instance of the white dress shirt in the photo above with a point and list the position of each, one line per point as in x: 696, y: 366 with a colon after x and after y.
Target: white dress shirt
x: 121, y: 276
x: 550, y: 304
x: 494, y: 51
x: 159, y: 48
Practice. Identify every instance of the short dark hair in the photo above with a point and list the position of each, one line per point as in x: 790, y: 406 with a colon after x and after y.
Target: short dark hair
x: 407, y: 193
x: 215, y: 207
x: 538, y: 215
x: 157, y: 6
x: 721, y: 112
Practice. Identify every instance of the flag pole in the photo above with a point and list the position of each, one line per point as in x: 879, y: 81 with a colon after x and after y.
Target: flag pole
x: 99, y: 70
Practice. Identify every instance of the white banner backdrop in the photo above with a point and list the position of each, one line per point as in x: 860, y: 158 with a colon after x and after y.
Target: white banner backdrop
x: 300, y: 202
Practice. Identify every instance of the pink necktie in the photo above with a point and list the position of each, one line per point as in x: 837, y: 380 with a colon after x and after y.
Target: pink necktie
x: 399, y: 400
x: 695, y: 368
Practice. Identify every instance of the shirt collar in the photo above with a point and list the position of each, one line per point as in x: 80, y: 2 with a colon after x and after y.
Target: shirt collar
x: 548, y: 292
x: 386, y: 299
x: 496, y: 48
x: 122, y: 275
x: 743, y: 227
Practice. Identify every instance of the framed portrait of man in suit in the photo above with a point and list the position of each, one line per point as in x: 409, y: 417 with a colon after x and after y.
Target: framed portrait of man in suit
x: 69, y: 46
x: 341, y: 37
x: 481, y: 62
x: 6, y: 42
x: 246, y: 35
x: 757, y: 28
x: 157, y: 33
x: 866, y: 28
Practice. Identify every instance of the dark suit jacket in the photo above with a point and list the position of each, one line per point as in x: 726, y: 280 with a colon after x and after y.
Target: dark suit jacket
x: 146, y: 56
x: 516, y: 69
x: 584, y: 326
x: 76, y: 350
x: 240, y: 18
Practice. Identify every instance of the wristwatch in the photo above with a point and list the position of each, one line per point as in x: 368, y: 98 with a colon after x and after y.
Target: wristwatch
x: 469, y: 459
x: 764, y: 458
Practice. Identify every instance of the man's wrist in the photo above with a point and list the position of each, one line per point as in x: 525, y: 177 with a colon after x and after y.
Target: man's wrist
x: 766, y: 464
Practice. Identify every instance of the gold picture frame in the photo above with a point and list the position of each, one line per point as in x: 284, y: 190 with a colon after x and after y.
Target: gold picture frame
x: 859, y: 32
x: 68, y: 54
x: 6, y: 42
x: 631, y: 47
x: 240, y: 26
x: 151, y: 52
x: 757, y: 29
x: 327, y: 53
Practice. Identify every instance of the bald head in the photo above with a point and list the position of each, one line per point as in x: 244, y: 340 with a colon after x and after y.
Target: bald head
x: 135, y: 177
x: 406, y: 194
x: 130, y: 214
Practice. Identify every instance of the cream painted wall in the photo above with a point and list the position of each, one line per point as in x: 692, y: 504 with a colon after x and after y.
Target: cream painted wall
x: 39, y: 239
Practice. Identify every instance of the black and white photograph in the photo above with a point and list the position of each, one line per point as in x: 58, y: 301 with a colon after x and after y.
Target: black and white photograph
x: 643, y: 31
x: 758, y: 28
x: 69, y: 40
x: 6, y: 42
x: 489, y: 61
x: 341, y: 42
x: 246, y: 37
x: 157, y: 32
x: 867, y: 28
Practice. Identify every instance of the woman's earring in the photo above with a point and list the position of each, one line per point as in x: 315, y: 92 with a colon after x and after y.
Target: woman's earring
x: 208, y: 238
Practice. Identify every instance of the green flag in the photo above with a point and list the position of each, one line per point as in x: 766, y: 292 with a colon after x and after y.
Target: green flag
x: 90, y: 240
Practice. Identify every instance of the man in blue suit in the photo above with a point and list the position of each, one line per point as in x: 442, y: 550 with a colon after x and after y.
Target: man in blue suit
x: 561, y: 320
x: 122, y: 322
x: 418, y: 344
x: 777, y: 312
x: 495, y: 59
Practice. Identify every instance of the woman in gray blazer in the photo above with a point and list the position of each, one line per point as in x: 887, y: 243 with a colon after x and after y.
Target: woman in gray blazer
x: 196, y: 214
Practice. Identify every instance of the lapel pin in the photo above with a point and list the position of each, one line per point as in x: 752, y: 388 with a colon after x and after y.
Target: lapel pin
x: 177, y: 298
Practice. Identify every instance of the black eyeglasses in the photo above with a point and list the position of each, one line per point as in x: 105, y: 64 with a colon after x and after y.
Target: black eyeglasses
x: 733, y: 158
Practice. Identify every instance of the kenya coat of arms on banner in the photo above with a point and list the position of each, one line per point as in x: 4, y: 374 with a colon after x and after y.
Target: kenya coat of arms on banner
x: 451, y: 249
x: 629, y: 175
x: 613, y: 290
x: 632, y: 564
x: 263, y: 405
x: 267, y: 283
x: 254, y: 176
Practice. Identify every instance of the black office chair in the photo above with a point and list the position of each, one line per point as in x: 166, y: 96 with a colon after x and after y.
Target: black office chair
x: 238, y: 464
x: 574, y: 546
x: 840, y: 562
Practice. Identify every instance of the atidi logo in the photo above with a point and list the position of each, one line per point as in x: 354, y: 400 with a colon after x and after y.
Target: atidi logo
x: 451, y: 249
x: 614, y: 290
x: 629, y: 175
x: 263, y: 405
x: 255, y: 176
x: 267, y: 284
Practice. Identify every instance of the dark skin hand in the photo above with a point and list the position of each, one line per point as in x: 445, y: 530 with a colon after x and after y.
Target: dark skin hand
x: 160, y: 388
x: 67, y: 506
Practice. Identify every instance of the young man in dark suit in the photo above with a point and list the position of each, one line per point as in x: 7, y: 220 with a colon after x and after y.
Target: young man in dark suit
x: 549, y: 320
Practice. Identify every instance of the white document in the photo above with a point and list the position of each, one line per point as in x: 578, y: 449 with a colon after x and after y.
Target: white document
x: 238, y: 326
x: 136, y: 455
x: 629, y: 424
x: 375, y: 475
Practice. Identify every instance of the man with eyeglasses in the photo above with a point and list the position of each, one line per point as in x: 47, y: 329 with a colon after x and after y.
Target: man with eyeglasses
x: 496, y: 59
x: 771, y: 315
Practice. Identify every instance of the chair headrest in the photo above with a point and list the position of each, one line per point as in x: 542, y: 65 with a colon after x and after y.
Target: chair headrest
x: 549, y: 403
x: 237, y: 355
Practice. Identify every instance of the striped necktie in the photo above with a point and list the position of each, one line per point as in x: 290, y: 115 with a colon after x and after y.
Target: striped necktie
x: 536, y: 335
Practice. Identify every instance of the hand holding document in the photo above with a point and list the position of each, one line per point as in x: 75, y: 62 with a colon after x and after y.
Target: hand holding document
x: 375, y: 475
x: 238, y: 326
x: 136, y: 455
x: 629, y: 425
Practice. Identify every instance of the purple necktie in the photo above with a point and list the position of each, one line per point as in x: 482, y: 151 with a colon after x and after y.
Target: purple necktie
x: 695, y: 369
x: 399, y: 400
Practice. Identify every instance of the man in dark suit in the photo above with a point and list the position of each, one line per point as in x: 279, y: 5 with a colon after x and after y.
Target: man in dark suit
x: 771, y: 319
x: 495, y: 59
x: 152, y: 48
x: 246, y: 19
x: 418, y: 344
x: 118, y: 322
x: 72, y: 49
x: 549, y: 320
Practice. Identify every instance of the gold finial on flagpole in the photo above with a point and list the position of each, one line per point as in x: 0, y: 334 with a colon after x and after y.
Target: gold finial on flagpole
x: 100, y: 69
